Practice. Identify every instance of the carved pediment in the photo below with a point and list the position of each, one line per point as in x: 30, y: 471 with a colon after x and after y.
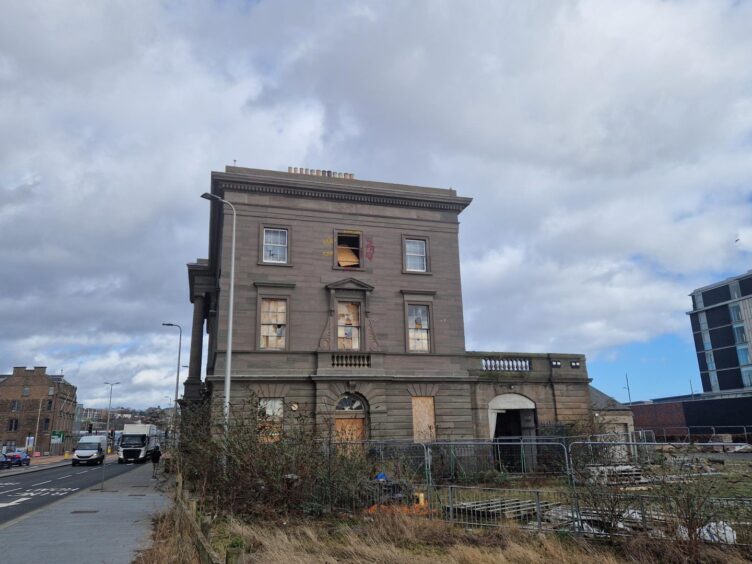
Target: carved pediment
x: 350, y: 284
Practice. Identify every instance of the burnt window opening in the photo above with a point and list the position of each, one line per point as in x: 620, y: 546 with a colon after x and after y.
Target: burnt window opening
x: 348, y: 250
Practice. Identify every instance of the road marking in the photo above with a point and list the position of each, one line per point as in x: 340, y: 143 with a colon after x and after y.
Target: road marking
x: 39, y: 492
x: 66, y: 476
x: 84, y: 472
x: 7, y: 491
x: 40, y: 483
x: 14, y: 502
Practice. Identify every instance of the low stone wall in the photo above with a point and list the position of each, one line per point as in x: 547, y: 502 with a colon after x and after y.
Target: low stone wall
x: 186, y: 518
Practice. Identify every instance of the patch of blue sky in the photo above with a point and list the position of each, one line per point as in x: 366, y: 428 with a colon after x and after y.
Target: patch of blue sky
x: 663, y: 366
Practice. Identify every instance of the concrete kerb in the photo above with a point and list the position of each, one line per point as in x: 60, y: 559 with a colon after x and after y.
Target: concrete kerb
x: 39, y: 467
x: 32, y: 468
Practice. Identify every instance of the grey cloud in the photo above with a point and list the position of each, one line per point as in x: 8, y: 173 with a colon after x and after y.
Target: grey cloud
x: 605, y: 144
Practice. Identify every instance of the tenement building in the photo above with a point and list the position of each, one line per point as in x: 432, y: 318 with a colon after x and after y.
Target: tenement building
x: 348, y: 309
x: 37, y: 409
x: 721, y: 319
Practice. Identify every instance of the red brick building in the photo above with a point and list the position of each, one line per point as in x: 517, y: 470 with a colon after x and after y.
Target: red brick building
x: 34, y: 404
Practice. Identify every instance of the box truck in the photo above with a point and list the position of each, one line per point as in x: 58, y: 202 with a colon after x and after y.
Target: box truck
x: 90, y: 450
x: 137, y: 442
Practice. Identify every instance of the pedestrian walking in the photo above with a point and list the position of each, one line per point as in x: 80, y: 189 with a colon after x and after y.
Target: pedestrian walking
x: 155, y: 456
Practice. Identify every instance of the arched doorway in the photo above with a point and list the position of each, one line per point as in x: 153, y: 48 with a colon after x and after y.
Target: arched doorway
x: 351, y: 418
x: 511, y: 417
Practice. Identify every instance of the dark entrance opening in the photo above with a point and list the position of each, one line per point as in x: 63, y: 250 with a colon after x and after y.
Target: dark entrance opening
x: 508, y: 448
x: 508, y: 424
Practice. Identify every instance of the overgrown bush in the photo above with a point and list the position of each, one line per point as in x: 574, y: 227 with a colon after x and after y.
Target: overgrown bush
x: 259, y: 466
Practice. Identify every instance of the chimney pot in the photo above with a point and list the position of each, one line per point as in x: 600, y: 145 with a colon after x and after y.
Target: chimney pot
x: 289, y: 169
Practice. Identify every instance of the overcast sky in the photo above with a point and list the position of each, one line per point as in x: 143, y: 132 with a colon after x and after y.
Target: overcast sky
x: 606, y: 145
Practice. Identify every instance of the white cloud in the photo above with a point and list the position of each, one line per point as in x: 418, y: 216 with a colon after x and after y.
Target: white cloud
x: 606, y: 145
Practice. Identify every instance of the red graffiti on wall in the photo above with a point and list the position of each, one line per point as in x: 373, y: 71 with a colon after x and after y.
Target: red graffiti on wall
x: 370, y: 248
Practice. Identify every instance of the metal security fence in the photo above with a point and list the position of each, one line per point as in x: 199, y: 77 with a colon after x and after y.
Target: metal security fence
x: 479, y: 462
x: 698, y: 434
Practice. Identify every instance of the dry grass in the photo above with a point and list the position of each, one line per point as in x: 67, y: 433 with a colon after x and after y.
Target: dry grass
x: 397, y: 539
x: 400, y: 539
x: 169, y: 545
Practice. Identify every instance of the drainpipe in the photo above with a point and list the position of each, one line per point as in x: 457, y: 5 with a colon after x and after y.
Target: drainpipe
x: 553, y: 388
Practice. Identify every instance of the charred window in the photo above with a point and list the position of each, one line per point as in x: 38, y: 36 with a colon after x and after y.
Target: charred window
x: 348, y: 249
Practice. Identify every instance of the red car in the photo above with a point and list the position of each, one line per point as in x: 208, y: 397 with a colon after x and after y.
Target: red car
x: 18, y: 457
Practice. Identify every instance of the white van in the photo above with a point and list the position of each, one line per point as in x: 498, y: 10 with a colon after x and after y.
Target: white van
x: 90, y: 450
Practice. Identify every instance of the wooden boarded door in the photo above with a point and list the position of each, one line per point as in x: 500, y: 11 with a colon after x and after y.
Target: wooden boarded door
x: 350, y: 429
x: 424, y: 420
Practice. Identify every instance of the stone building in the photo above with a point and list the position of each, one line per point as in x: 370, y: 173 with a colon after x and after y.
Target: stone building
x: 34, y: 404
x: 348, y: 308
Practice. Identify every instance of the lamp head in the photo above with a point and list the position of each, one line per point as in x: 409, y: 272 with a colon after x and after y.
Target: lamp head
x: 168, y: 324
x: 207, y: 196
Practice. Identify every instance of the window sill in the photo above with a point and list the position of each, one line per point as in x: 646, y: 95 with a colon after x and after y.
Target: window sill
x: 262, y: 263
x: 418, y: 272
x: 351, y: 269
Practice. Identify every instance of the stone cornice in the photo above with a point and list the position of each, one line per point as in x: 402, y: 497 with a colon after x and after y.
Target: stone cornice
x: 308, y: 188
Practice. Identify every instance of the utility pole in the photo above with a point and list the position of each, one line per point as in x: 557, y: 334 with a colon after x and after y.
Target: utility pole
x: 36, y: 433
x: 629, y: 392
x: 107, y: 430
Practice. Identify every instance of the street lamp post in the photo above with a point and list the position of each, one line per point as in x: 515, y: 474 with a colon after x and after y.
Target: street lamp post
x: 228, y: 362
x: 107, y: 429
x: 177, y: 376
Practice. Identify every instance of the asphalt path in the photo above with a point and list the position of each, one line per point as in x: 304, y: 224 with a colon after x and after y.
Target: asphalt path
x: 21, y: 493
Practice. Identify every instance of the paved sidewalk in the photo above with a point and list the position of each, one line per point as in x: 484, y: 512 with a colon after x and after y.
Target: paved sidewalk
x: 93, y: 526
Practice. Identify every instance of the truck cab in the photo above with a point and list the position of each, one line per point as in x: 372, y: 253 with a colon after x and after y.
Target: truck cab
x: 136, y: 443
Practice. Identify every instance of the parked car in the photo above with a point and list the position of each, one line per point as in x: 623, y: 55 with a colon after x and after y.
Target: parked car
x: 4, y: 461
x: 19, y: 457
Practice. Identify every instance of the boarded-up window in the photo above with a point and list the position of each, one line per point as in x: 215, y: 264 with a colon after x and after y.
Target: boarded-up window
x: 273, y: 324
x: 424, y: 420
x: 348, y: 326
x: 271, y: 412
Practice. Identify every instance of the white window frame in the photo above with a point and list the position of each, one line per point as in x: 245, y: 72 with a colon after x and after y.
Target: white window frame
x: 285, y: 246
x: 424, y: 241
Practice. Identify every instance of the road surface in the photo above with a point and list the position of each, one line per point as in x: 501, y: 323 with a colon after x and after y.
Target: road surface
x: 26, y: 492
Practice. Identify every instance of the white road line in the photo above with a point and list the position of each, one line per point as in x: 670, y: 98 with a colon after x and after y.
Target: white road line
x: 40, y: 483
x: 84, y: 472
x: 14, y: 502
x: 7, y: 491
x: 66, y: 476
